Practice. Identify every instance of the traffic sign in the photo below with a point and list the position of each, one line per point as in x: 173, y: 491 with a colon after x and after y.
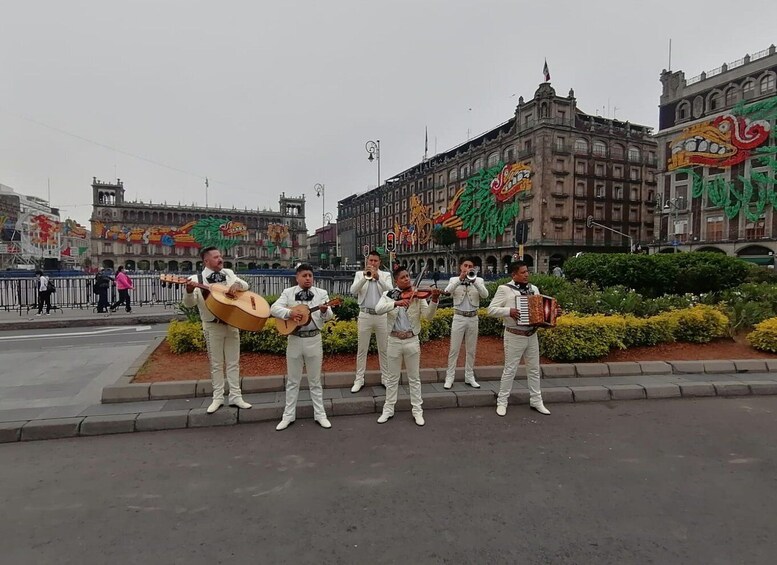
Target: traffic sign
x: 391, y: 241
x: 589, y: 222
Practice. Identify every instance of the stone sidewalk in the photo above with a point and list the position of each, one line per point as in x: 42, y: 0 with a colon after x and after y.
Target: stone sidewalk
x: 189, y: 412
x: 17, y: 320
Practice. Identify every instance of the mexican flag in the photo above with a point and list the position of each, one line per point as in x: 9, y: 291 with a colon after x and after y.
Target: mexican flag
x: 546, y: 71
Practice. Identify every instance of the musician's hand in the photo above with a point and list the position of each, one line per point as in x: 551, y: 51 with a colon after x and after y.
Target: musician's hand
x: 190, y: 287
x: 401, y: 303
x: 515, y: 314
x: 323, y: 309
x: 436, y: 292
x: 234, y: 289
x: 296, y: 316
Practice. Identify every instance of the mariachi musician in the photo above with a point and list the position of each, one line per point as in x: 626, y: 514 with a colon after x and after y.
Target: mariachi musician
x: 368, y: 286
x: 405, y: 306
x: 520, y: 339
x: 222, y: 340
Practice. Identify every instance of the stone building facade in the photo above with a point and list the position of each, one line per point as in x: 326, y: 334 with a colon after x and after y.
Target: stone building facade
x: 718, y: 160
x: 144, y: 236
x: 548, y: 168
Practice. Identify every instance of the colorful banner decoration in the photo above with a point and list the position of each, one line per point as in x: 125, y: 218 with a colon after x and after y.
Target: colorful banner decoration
x: 480, y: 208
x: 747, y: 132
x: 450, y: 218
x: 511, y: 180
x: 220, y: 232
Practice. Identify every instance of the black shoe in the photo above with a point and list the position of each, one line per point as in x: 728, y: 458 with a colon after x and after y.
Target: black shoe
x: 129, y: 311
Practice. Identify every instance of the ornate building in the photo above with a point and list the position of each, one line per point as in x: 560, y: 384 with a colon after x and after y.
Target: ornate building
x: 160, y: 237
x: 717, y: 159
x: 544, y: 172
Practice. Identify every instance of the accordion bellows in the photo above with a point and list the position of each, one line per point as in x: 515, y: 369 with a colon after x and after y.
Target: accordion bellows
x: 537, y: 310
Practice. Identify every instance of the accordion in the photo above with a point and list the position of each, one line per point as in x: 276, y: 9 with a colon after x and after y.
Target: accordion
x: 537, y: 310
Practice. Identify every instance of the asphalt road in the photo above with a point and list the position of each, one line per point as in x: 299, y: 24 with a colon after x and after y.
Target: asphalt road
x: 66, y: 367
x: 673, y: 481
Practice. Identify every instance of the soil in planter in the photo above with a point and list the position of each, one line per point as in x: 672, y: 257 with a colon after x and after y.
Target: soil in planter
x: 163, y: 365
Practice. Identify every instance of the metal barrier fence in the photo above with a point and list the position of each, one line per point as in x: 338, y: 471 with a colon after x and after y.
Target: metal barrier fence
x: 76, y: 292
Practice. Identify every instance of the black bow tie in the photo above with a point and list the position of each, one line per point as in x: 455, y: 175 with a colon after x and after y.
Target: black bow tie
x: 216, y: 277
x: 304, y: 295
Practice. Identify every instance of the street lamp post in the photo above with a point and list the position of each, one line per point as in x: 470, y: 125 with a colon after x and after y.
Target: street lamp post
x: 320, y: 192
x: 373, y: 150
x: 673, y: 204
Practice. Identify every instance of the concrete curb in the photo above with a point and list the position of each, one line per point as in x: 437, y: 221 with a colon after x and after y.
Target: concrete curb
x: 126, y: 391
x: 100, y: 320
x: 272, y: 410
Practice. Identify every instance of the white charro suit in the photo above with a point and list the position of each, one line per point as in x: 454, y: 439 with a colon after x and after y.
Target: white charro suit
x: 304, y: 352
x: 466, y: 300
x: 370, y: 322
x: 222, y: 341
x: 517, y: 346
x: 408, y: 350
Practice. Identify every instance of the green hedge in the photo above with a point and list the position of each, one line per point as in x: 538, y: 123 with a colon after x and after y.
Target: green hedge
x: 661, y: 273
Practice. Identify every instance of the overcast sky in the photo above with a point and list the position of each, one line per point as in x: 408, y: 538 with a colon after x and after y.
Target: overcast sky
x: 271, y: 97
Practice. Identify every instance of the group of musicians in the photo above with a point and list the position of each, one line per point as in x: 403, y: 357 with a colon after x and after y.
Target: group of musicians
x: 393, y: 312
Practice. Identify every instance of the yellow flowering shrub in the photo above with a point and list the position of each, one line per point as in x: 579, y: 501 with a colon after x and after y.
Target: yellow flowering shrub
x: 764, y: 337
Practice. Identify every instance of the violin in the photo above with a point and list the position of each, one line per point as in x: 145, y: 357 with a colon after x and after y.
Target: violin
x: 420, y: 293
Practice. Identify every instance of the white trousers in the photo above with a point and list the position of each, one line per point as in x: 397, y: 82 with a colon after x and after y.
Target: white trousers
x: 409, y: 351
x: 463, y: 328
x: 517, y: 346
x: 304, y: 352
x: 223, y: 343
x: 369, y: 324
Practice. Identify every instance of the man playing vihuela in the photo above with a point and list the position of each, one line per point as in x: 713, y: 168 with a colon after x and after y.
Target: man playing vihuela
x: 368, y: 286
x: 467, y: 290
x: 222, y: 340
x: 405, y: 311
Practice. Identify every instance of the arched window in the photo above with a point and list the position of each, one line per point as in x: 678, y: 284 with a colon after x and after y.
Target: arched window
x: 634, y: 154
x: 713, y: 102
x: 453, y: 175
x: 478, y: 164
x: 617, y: 151
x: 731, y: 96
x: 493, y: 159
x: 748, y: 89
x: 581, y: 146
x: 683, y: 111
x: 508, y: 155
x: 767, y: 83
x: 464, y: 172
x: 600, y: 149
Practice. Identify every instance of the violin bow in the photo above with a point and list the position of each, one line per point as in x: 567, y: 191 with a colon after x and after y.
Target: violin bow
x: 418, y: 280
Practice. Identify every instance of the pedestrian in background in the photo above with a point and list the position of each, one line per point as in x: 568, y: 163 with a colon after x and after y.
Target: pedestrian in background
x: 123, y: 285
x: 44, y: 294
x: 102, y: 283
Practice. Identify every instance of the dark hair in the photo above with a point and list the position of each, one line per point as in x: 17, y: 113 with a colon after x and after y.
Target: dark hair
x: 517, y: 265
x: 466, y: 258
x: 398, y: 270
x: 39, y: 272
x: 373, y: 252
x: 120, y: 268
x: 304, y: 267
x: 205, y: 250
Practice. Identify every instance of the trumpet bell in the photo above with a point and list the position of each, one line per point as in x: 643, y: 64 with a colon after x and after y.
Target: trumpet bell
x: 368, y: 275
x: 472, y: 275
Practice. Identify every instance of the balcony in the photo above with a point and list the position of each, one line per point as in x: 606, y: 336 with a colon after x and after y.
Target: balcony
x: 559, y: 218
x: 559, y: 195
x: 562, y: 149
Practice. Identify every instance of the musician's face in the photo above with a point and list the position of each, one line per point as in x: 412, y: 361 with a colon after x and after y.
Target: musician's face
x: 521, y: 276
x: 403, y: 280
x: 373, y: 261
x: 213, y: 260
x: 466, y: 267
x: 305, y: 279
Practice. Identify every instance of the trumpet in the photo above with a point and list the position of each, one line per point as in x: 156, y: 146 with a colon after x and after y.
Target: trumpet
x: 472, y: 274
x: 368, y: 274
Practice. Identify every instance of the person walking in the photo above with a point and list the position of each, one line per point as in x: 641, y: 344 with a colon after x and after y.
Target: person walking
x: 44, y: 293
x: 102, y: 283
x: 123, y: 285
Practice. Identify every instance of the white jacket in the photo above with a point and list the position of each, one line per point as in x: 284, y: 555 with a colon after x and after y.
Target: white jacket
x: 503, y: 300
x: 360, y: 284
x: 474, y: 291
x: 418, y: 309
x: 281, y: 308
x: 196, y: 297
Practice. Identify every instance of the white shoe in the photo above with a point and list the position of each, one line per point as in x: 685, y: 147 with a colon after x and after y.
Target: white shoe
x: 357, y: 386
x: 541, y: 409
x: 385, y: 418
x: 283, y: 424
x: 419, y: 419
x: 448, y: 384
x: 38, y: 314
x: 324, y: 423
x: 215, y: 405
x: 501, y: 410
x: 240, y: 403
x: 473, y: 383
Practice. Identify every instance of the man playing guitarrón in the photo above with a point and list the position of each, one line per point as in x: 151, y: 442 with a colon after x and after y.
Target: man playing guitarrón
x: 368, y: 292
x: 222, y: 340
x: 304, y: 348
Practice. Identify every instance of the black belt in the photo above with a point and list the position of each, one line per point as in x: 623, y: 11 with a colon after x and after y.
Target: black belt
x: 308, y: 333
x: 525, y: 333
x: 466, y: 313
x: 368, y: 311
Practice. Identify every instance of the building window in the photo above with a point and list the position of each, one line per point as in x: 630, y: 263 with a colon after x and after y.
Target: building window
x: 453, y: 175
x: 600, y: 149
x: 581, y: 146
x: 632, y: 214
x: 508, y: 155
x: 634, y: 155
x: 527, y: 146
x: 478, y: 164
x: 599, y: 192
x: 598, y: 235
x: 634, y: 194
x: 464, y: 172
x: 731, y: 96
x: 755, y: 230
x: 580, y: 211
x: 580, y: 189
x: 767, y: 84
x: 559, y: 210
x: 714, y: 228
x: 617, y: 172
x: 580, y: 167
x: 598, y: 212
x: 616, y: 213
x: 748, y: 89
x: 714, y: 101
x: 559, y: 143
x: 683, y: 111
x: 634, y: 174
x: 559, y: 164
x: 681, y: 230
x: 618, y: 193
x: 559, y: 187
x: 493, y: 159
x: 599, y: 169
x: 617, y: 151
